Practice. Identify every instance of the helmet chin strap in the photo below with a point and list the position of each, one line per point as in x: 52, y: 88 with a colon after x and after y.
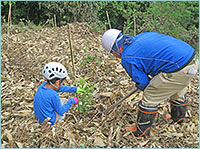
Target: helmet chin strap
x: 118, y: 49
x: 57, y: 88
x: 121, y: 41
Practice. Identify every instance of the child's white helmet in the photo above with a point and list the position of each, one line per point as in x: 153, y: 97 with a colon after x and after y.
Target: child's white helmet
x: 109, y: 37
x: 54, y: 70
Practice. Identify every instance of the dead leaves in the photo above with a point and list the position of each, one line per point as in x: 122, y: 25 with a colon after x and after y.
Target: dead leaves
x: 23, y: 56
x: 99, y: 142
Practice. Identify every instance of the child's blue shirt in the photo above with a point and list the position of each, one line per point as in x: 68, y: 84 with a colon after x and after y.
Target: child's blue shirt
x: 47, y: 102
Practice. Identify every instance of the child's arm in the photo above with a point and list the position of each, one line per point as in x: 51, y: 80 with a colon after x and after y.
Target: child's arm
x: 62, y: 109
x: 68, y: 89
x: 71, y: 89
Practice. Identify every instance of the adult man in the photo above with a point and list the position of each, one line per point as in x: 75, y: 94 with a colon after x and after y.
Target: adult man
x: 161, y: 66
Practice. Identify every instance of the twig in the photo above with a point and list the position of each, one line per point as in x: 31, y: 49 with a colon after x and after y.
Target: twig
x: 136, y: 140
x: 117, y: 133
x: 70, y: 46
x: 108, y: 19
x: 73, y: 116
x: 106, y: 117
x: 110, y: 136
x: 93, y: 118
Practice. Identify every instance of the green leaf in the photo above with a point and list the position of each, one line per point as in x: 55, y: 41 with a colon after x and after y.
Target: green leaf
x: 98, y: 62
x: 84, y: 98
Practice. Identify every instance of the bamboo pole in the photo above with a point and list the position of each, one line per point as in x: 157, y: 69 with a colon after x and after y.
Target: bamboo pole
x: 108, y: 19
x: 9, y: 14
x: 55, y: 21
x: 134, y: 25
x: 70, y: 46
x: 9, y: 23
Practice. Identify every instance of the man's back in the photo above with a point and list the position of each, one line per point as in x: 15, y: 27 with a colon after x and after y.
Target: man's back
x: 157, y: 52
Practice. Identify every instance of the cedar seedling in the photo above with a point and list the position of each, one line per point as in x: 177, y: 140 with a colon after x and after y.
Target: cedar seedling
x: 84, y: 98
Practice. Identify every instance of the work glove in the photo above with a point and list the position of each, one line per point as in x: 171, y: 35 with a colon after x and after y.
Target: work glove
x: 75, y: 100
x: 80, y: 90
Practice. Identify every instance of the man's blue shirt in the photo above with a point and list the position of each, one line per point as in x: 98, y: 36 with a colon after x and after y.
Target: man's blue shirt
x: 47, y: 102
x: 151, y: 53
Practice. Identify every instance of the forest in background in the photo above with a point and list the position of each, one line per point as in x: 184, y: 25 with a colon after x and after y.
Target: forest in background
x: 178, y: 18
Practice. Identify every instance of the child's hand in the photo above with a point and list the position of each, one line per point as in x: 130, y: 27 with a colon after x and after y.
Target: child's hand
x: 75, y: 100
x: 80, y: 90
x: 46, y: 124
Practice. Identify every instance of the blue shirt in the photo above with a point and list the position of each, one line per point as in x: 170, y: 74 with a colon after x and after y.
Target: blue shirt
x: 151, y: 53
x: 47, y: 102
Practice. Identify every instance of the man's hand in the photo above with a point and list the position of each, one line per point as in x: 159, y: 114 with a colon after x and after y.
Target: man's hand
x: 80, y: 90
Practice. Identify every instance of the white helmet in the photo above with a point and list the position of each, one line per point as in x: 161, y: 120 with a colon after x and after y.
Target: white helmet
x: 109, y: 37
x: 54, y: 70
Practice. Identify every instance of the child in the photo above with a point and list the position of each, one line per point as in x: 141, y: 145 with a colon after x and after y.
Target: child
x: 47, y: 103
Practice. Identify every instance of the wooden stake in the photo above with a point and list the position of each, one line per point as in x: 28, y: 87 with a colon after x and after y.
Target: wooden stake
x: 9, y: 14
x: 9, y: 23
x: 134, y: 25
x: 70, y: 46
x: 108, y: 19
x: 55, y: 21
